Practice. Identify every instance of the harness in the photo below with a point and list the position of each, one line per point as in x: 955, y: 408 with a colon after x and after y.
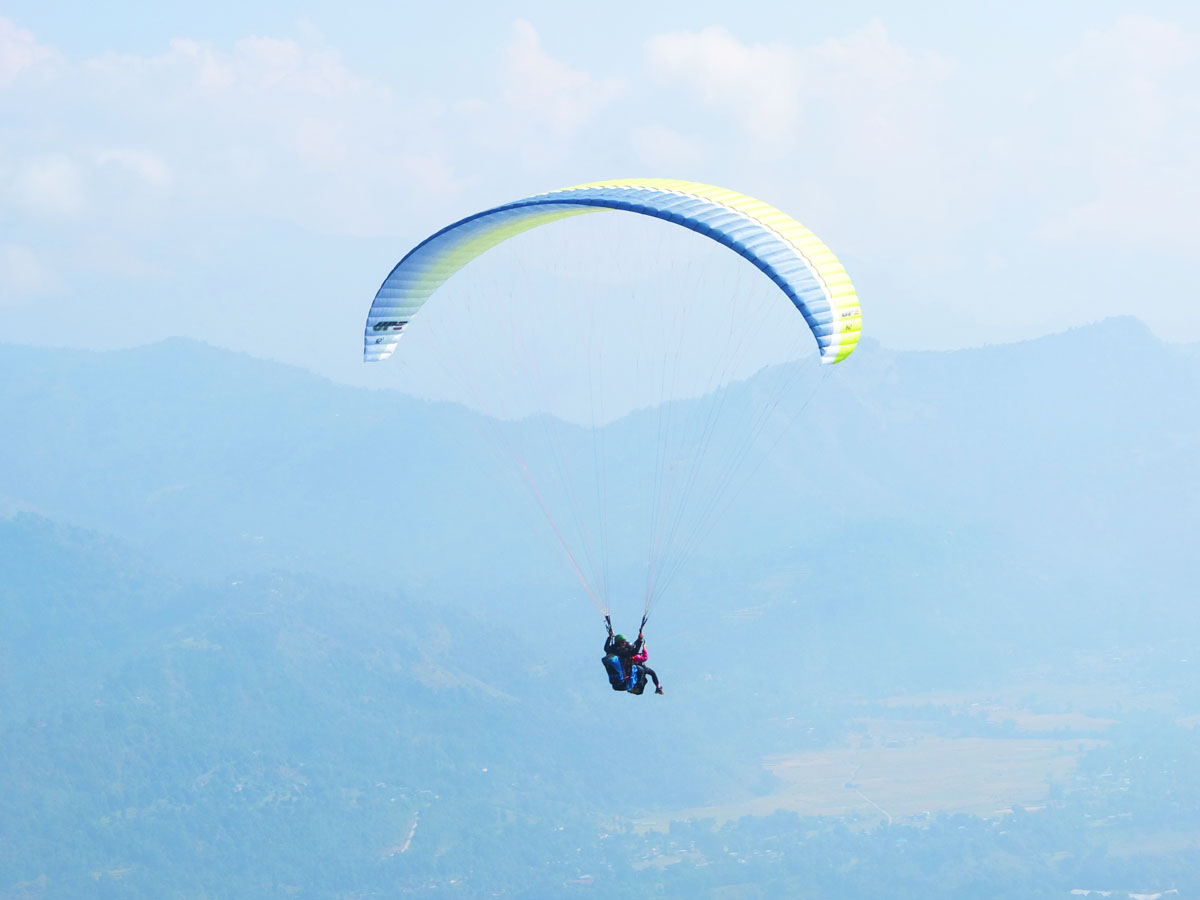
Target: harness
x: 633, y: 681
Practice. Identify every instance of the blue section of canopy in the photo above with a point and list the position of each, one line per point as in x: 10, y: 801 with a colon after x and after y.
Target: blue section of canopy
x: 777, y: 258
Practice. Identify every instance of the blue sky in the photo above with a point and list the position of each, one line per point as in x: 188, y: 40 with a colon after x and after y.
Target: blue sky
x: 247, y: 174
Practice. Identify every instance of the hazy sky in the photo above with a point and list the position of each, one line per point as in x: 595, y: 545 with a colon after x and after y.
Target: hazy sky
x: 248, y: 173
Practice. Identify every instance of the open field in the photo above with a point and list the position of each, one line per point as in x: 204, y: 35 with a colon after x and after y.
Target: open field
x: 890, y: 776
x: 921, y: 754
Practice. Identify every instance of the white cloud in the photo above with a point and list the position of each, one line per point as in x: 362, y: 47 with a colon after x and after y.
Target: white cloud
x: 51, y: 186
x: 884, y: 97
x: 22, y: 274
x: 546, y: 91
x: 269, y: 126
x: 756, y: 84
x: 1127, y: 137
x: 19, y: 50
x: 864, y: 82
x: 283, y: 128
x: 1137, y: 45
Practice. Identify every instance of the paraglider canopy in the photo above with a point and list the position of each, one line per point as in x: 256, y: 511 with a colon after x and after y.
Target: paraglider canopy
x: 783, y: 249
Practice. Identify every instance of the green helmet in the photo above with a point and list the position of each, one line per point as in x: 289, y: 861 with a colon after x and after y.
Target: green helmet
x: 620, y: 638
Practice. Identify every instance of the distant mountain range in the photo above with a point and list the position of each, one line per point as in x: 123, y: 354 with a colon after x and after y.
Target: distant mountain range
x: 1067, y: 460
x: 1014, y: 499
x: 244, y: 607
